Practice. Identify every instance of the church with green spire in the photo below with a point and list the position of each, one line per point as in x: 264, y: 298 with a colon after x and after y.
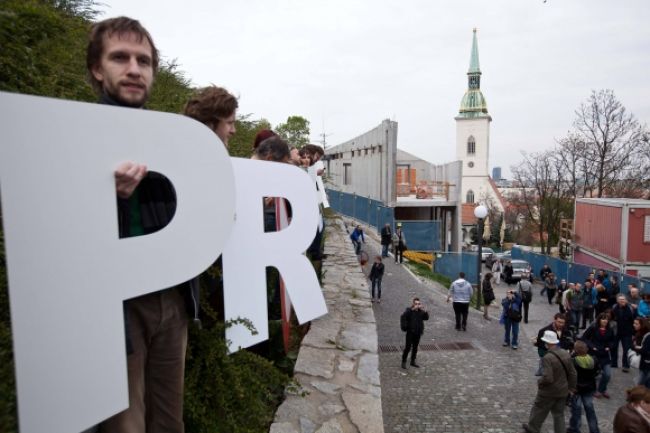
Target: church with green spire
x: 473, y: 143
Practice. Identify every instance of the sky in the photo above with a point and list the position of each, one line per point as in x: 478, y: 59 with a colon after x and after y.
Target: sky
x: 346, y: 65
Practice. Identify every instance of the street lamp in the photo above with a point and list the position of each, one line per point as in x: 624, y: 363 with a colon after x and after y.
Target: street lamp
x: 480, y: 212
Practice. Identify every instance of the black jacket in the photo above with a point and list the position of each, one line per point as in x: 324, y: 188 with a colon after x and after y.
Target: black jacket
x: 624, y: 320
x: 598, y: 344
x: 586, y: 376
x: 415, y: 320
x: 386, y: 236
x: 377, y: 271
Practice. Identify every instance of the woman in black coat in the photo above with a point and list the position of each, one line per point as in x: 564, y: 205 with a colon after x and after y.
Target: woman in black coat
x: 601, y: 340
x: 488, y: 294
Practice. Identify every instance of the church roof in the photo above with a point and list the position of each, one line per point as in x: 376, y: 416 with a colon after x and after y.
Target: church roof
x: 473, y: 103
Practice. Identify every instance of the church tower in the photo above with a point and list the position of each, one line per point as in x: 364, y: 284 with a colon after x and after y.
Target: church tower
x: 473, y: 135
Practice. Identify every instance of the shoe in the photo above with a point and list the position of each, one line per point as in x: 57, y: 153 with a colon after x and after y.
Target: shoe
x: 625, y: 370
x: 597, y: 395
x: 404, y: 365
x: 514, y: 347
x: 506, y: 344
x: 379, y: 301
x: 613, y: 366
x: 605, y: 394
x: 464, y: 329
x: 457, y: 328
x: 525, y: 321
x: 413, y: 364
x: 526, y: 429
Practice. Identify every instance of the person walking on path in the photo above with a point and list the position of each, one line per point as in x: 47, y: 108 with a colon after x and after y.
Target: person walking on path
x: 461, y: 293
x: 510, y: 318
x: 634, y: 417
x: 357, y: 237
x: 488, y: 294
x: 399, y: 243
x: 589, y: 298
x: 525, y: 291
x: 412, y: 322
x: 623, y: 314
x: 574, y: 303
x: 587, y: 369
x: 386, y: 239
x: 564, y: 335
x: 508, y: 272
x: 559, y: 296
x: 601, y: 339
x: 376, y: 274
x: 550, y: 285
x: 543, y: 273
x: 497, y: 268
x: 558, y: 380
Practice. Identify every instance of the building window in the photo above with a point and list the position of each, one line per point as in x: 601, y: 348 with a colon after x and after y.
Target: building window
x: 646, y: 229
x: 471, y: 145
x: 347, y: 174
x: 352, y: 156
x: 470, y: 196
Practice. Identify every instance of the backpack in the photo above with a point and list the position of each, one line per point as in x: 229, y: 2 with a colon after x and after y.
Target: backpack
x: 403, y: 321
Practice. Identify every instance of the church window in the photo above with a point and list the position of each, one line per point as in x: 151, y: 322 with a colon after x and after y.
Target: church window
x: 470, y: 196
x: 471, y: 145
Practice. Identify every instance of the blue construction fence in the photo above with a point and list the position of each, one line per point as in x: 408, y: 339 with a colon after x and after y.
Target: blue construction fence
x: 451, y: 264
x: 573, y: 272
x: 420, y: 235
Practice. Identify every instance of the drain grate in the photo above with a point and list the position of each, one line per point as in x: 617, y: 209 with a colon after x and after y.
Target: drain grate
x: 429, y: 347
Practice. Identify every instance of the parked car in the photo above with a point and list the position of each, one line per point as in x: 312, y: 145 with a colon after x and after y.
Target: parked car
x: 520, y: 267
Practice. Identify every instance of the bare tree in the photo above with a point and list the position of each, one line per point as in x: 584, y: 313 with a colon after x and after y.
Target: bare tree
x: 611, y: 140
x: 544, y: 195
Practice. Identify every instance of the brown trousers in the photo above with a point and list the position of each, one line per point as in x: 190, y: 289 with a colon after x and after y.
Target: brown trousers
x: 157, y: 326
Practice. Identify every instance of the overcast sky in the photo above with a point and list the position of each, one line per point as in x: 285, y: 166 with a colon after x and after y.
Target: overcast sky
x: 346, y: 65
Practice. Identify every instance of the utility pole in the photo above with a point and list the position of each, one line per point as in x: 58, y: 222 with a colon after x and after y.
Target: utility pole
x: 323, y: 137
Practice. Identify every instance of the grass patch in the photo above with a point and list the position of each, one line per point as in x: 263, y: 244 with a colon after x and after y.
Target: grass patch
x: 422, y: 270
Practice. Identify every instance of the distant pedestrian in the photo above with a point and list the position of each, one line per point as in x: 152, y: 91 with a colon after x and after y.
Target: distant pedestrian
x: 574, y: 303
x: 461, y: 291
x: 550, y: 285
x: 559, y: 296
x: 497, y: 268
x: 602, y: 299
x: 559, y: 378
x: 399, y: 243
x: 633, y: 295
x: 508, y: 272
x: 376, y: 274
x: 412, y: 322
x: 543, y: 273
x: 357, y: 237
x: 644, y: 306
x: 587, y: 369
x: 510, y: 318
x: 634, y: 417
x: 386, y: 239
x: 641, y: 345
x: 588, y: 302
x: 525, y: 291
x: 563, y: 332
x: 488, y: 294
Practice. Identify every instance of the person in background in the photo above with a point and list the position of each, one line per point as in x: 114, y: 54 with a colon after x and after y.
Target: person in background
x: 559, y: 297
x: 497, y: 268
x: 412, y: 322
x: 587, y: 369
x: 216, y: 108
x: 634, y: 417
x: 602, y: 299
x: 641, y: 345
x: 644, y: 306
x: 461, y: 292
x: 508, y: 271
x: 376, y: 274
x: 565, y: 337
x: 386, y: 239
x: 510, y: 318
x: 600, y: 339
x: 399, y: 243
x: 543, y: 273
x: 261, y: 136
x: 615, y: 289
x: 357, y: 237
x: 550, y: 285
x: 525, y: 292
x: 633, y: 296
x: 623, y: 314
x: 488, y: 294
x: 588, y: 298
x: 574, y: 303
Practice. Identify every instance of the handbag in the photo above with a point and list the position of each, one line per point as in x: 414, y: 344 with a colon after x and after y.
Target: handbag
x: 514, y: 315
x: 633, y: 357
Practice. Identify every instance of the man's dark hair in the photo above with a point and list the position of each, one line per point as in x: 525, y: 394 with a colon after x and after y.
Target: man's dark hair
x: 416, y: 299
x: 559, y: 316
x: 273, y: 149
x: 461, y: 274
x: 109, y: 27
x: 210, y: 104
x: 314, y: 149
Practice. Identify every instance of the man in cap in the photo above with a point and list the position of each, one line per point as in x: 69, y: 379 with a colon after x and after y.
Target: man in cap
x: 559, y: 378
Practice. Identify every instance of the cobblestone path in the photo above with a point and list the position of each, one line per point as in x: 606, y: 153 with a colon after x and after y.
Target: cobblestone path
x: 489, y: 388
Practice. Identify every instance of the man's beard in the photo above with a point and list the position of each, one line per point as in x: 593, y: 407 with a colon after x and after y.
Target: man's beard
x: 139, y: 103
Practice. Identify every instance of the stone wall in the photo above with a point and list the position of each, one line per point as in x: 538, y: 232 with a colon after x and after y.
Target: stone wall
x: 338, y: 364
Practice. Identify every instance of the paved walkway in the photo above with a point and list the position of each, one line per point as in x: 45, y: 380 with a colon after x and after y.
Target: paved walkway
x: 487, y: 389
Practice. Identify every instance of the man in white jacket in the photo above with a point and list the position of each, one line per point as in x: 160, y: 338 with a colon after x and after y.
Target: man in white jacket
x: 461, y: 293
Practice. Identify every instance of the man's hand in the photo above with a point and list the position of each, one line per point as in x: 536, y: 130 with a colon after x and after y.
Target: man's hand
x: 127, y: 177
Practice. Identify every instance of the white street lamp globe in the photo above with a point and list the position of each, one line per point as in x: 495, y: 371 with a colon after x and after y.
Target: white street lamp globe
x: 480, y: 211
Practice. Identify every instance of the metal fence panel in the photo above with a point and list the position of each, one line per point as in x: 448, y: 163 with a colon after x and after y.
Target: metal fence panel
x: 347, y: 204
x: 361, y: 208
x: 422, y: 235
x: 451, y: 264
x: 386, y: 215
